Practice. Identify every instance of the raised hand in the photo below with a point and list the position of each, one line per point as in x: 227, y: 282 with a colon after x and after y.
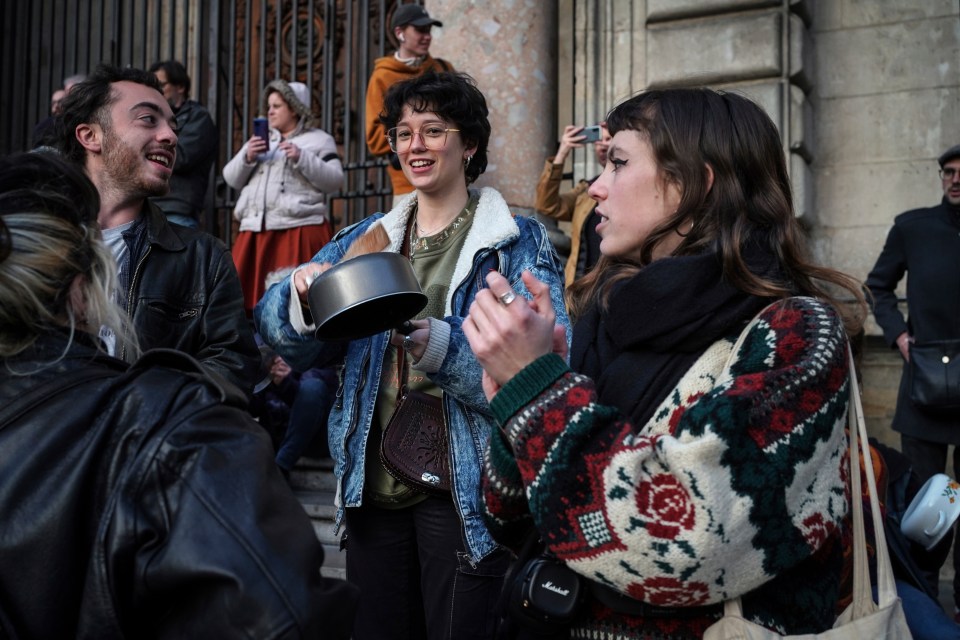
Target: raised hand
x: 507, y: 332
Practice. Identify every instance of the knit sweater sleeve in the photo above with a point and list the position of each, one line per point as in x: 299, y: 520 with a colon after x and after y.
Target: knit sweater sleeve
x: 738, y: 477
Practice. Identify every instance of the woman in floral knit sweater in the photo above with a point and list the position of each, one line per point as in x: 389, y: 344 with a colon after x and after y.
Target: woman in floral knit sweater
x: 665, y: 463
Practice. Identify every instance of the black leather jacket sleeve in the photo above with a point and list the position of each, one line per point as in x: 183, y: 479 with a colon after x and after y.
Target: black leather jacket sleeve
x: 145, y: 503
x: 214, y: 542
x: 883, y: 280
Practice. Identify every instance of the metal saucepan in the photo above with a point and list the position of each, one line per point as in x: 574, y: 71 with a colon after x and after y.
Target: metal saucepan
x: 365, y: 295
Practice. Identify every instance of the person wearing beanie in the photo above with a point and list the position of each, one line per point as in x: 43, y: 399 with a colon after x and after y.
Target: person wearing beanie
x: 411, y: 25
x: 923, y: 244
x: 284, y: 183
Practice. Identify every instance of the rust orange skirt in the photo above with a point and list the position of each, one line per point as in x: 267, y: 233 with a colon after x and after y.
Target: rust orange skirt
x: 258, y: 254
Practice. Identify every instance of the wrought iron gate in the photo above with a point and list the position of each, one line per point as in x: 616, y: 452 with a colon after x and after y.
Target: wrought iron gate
x: 231, y: 48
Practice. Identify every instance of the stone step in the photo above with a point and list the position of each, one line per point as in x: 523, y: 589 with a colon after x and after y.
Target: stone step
x: 319, y: 506
x: 313, y: 475
x: 309, y: 480
x: 314, y: 485
x: 334, y: 562
x: 315, y: 464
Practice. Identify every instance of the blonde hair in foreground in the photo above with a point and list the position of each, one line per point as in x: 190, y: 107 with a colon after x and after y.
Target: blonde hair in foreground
x: 55, y: 272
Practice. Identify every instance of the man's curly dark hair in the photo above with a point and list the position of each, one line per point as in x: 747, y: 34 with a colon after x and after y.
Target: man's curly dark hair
x: 452, y: 96
x: 87, y: 103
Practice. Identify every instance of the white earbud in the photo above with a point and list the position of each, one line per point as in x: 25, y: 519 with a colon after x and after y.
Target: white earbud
x: 401, y: 38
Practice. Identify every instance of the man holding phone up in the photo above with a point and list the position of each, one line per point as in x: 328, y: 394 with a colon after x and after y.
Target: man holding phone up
x: 574, y: 205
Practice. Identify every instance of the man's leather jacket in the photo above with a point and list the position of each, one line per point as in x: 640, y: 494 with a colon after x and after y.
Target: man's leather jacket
x: 183, y: 293
x: 139, y: 503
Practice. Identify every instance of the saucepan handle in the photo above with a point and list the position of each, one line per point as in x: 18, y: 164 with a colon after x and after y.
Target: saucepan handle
x: 941, y: 519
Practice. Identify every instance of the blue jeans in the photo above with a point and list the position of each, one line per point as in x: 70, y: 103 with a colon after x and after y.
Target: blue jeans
x: 925, y: 617
x: 308, y: 418
x: 415, y: 579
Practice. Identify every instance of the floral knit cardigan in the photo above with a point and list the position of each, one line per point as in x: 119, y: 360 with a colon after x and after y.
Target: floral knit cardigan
x: 736, y: 487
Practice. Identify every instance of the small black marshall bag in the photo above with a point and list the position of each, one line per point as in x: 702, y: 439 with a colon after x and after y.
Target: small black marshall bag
x: 546, y: 592
x: 540, y: 595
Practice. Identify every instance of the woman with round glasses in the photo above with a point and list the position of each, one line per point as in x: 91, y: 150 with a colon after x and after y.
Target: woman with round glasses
x: 427, y: 566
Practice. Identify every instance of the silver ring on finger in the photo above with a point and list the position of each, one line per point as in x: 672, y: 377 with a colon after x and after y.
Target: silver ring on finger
x: 507, y: 298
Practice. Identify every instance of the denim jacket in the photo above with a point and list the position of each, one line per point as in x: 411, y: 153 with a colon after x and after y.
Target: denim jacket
x: 496, y: 240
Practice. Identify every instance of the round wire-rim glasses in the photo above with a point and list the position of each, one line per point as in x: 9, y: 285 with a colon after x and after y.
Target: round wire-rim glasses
x: 949, y: 173
x: 433, y: 135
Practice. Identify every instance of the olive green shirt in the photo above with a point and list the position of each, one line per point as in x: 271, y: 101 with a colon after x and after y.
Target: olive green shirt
x: 434, y: 259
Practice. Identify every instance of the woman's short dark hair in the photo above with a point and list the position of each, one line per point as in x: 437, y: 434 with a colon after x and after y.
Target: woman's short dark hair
x: 87, y: 103
x: 693, y: 132
x: 452, y: 96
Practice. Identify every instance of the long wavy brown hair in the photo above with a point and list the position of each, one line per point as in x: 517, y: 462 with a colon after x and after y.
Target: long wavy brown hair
x: 749, y: 201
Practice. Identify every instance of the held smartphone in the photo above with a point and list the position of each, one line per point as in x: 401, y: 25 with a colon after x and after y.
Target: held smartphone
x: 261, y: 129
x: 591, y: 134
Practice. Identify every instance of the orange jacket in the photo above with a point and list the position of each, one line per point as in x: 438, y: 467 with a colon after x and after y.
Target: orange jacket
x: 387, y: 71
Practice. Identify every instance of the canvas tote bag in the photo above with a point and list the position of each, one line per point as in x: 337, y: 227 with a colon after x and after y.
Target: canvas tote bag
x: 863, y: 619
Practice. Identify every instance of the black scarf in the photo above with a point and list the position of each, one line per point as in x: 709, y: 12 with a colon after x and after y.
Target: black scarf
x: 659, y: 323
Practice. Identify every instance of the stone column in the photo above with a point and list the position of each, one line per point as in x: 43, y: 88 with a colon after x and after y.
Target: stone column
x: 509, y: 47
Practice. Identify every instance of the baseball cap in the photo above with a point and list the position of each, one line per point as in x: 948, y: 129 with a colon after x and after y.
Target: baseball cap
x: 949, y: 154
x: 412, y: 14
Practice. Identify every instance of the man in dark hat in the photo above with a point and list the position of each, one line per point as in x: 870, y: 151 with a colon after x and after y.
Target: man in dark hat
x: 411, y: 26
x: 924, y: 243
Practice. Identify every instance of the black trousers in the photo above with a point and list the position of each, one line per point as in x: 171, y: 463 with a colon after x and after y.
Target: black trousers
x: 416, y: 579
x: 928, y: 459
